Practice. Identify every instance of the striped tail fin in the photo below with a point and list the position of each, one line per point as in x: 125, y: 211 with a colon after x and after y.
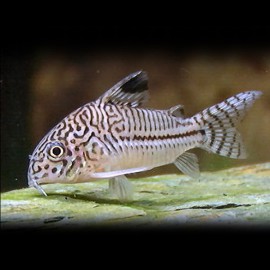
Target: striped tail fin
x: 218, y: 125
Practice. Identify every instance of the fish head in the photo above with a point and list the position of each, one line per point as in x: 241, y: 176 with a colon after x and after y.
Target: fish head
x: 54, y: 162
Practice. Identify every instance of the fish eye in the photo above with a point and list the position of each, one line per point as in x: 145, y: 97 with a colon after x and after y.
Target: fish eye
x: 55, y: 151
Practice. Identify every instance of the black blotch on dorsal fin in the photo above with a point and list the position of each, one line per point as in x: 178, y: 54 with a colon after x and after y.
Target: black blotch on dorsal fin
x: 131, y: 91
x: 135, y: 83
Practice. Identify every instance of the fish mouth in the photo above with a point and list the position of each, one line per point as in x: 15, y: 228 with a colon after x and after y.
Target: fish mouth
x: 33, y: 183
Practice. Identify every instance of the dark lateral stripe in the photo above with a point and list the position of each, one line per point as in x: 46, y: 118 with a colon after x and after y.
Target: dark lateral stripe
x: 164, y: 137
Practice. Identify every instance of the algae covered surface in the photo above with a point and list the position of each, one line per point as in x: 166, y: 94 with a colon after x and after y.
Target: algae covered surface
x: 235, y: 196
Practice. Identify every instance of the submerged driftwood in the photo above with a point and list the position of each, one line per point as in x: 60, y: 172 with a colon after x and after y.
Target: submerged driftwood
x: 235, y: 196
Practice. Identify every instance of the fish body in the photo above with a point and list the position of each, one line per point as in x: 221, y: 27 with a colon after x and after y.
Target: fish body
x: 114, y: 136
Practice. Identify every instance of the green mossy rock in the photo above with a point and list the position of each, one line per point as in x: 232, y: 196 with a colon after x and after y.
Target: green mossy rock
x: 235, y: 196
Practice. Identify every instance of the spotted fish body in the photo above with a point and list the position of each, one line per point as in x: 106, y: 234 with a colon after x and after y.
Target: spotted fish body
x: 114, y: 136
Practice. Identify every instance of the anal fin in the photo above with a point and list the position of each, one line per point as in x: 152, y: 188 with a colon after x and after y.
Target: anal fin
x: 121, y: 187
x: 188, y: 164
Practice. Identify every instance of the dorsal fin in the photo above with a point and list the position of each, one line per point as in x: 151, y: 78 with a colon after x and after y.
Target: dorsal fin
x: 131, y: 91
x: 177, y: 111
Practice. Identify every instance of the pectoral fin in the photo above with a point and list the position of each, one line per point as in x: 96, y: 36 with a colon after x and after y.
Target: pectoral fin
x: 188, y: 164
x: 121, y: 187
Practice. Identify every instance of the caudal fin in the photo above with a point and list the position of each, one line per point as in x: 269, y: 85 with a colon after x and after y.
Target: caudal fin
x: 218, y: 124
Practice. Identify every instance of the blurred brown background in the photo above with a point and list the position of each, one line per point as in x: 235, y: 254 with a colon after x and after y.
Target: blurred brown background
x: 44, y: 83
x: 196, y: 80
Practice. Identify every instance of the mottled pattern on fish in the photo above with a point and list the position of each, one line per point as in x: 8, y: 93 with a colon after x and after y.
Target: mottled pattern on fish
x: 113, y: 136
